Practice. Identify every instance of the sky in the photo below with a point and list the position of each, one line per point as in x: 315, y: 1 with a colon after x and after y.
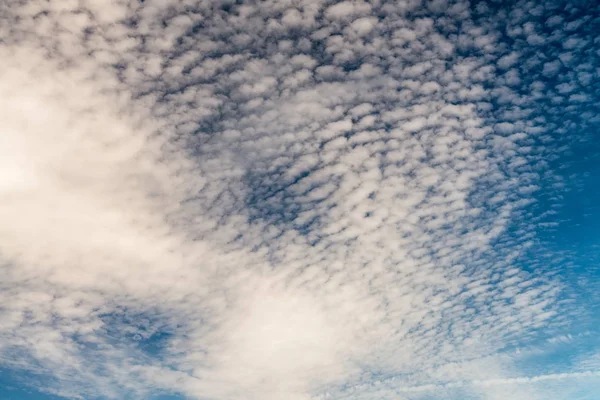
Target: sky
x: 299, y: 199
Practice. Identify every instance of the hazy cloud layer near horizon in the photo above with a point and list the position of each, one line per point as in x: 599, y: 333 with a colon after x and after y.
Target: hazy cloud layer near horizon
x: 293, y: 199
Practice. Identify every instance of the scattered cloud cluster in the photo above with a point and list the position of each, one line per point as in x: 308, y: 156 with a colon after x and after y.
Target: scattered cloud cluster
x: 282, y: 199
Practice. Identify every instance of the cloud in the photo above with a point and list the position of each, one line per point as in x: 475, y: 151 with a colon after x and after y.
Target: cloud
x: 264, y: 201
x: 506, y: 381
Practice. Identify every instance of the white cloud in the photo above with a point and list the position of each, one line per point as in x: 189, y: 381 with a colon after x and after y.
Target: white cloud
x: 345, y: 9
x: 196, y: 198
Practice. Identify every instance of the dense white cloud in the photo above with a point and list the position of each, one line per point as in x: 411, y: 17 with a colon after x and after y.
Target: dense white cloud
x: 274, y: 200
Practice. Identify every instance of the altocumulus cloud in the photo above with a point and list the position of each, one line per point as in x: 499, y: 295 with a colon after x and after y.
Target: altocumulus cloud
x: 282, y: 199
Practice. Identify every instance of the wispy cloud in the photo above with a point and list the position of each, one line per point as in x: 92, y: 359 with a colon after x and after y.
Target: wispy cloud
x: 502, y: 382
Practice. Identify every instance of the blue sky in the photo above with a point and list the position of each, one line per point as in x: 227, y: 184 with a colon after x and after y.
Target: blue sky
x: 299, y: 199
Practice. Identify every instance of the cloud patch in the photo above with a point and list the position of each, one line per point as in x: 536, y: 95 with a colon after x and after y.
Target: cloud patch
x: 270, y: 200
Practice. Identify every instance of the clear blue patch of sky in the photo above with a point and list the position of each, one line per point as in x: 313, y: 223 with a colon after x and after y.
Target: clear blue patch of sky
x: 13, y: 387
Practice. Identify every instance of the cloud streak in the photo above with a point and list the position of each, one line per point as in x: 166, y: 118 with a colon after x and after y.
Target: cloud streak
x: 502, y: 382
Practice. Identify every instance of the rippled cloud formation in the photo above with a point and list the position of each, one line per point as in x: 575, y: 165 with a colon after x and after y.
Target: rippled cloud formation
x: 298, y: 199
